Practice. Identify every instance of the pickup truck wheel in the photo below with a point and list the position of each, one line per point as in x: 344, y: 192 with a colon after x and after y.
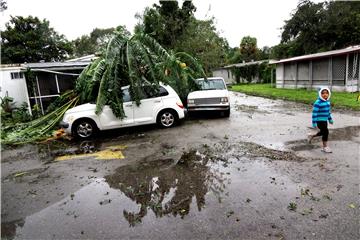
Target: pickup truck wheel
x: 84, y: 128
x: 227, y: 113
x: 167, y: 118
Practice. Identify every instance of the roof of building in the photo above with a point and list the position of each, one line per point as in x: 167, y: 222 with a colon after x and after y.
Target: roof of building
x: 83, y: 58
x: 244, y: 64
x: 57, y: 65
x: 10, y: 66
x: 320, y: 55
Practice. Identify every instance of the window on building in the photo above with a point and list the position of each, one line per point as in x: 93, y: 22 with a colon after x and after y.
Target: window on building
x: 17, y: 75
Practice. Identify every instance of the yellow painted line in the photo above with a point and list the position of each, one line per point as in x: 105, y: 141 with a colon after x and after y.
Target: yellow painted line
x: 112, y: 152
x: 117, y: 147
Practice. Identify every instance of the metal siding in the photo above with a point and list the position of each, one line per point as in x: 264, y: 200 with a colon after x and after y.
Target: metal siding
x: 303, y: 71
x: 320, y: 70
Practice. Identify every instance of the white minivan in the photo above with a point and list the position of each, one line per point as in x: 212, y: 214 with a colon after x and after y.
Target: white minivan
x: 164, y: 108
x: 212, y: 96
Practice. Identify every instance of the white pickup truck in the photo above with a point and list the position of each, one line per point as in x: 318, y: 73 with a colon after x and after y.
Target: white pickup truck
x: 212, y: 96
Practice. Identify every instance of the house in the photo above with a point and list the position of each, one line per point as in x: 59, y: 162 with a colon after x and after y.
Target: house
x: 337, y: 69
x: 50, y: 79
x: 44, y: 83
x: 13, y: 84
x: 227, y: 72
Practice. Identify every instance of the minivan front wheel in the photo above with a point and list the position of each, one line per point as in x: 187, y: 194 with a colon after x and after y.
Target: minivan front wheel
x: 84, y: 128
x: 167, y: 118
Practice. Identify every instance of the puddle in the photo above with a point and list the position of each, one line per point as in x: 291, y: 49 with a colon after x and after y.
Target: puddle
x: 208, y: 189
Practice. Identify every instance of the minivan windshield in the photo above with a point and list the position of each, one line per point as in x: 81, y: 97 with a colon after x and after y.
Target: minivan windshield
x: 211, y: 84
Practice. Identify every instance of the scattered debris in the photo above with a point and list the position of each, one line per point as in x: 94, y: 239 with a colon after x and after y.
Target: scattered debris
x: 307, y: 211
x: 305, y: 192
x: 314, y: 198
x: 326, y: 196
x: 104, y: 202
x: 292, y: 206
x: 20, y: 174
x: 92, y: 169
x: 228, y: 214
x: 324, y: 215
x: 272, y: 180
x: 351, y: 205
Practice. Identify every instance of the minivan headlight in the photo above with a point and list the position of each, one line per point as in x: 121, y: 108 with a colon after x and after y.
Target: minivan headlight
x: 191, y: 101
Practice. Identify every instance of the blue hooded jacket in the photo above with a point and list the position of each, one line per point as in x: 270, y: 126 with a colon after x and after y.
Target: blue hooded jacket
x: 321, y: 110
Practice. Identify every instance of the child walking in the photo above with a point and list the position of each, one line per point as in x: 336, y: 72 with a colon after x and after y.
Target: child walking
x: 321, y: 114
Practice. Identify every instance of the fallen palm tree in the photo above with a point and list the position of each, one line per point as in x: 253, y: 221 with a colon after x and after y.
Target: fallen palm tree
x: 138, y: 61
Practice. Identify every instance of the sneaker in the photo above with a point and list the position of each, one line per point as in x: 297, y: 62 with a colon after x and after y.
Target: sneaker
x: 326, y: 150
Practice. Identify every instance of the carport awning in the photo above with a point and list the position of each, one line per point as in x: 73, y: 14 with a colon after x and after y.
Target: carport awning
x: 56, y: 65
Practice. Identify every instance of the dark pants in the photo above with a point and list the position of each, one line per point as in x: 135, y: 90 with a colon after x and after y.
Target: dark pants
x: 324, y: 131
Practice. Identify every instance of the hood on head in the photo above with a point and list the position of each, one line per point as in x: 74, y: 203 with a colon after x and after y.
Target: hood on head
x: 324, y: 88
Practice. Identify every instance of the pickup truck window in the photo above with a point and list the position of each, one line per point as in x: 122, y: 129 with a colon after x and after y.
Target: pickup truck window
x: 211, y: 84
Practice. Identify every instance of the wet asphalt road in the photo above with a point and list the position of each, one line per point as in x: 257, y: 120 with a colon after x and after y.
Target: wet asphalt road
x: 250, y: 176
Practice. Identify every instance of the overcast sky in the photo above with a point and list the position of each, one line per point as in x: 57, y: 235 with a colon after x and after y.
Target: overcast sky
x: 234, y: 18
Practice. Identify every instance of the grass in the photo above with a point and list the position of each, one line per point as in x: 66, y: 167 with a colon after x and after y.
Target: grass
x: 342, y: 100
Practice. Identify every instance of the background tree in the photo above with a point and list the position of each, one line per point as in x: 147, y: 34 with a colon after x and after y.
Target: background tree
x: 318, y: 27
x: 201, y: 40
x: 233, y: 56
x: 166, y: 22
x: 31, y: 40
x: 264, y: 53
x: 177, y: 29
x: 3, y: 5
x: 248, y: 49
x: 96, y: 41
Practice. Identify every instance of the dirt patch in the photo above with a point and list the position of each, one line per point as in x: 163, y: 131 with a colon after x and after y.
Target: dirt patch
x: 338, y: 134
x: 344, y: 134
x: 19, y: 175
x: 250, y: 109
x: 255, y: 150
x: 225, y: 151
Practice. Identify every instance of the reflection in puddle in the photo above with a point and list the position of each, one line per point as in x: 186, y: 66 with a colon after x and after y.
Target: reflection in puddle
x: 167, y: 188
